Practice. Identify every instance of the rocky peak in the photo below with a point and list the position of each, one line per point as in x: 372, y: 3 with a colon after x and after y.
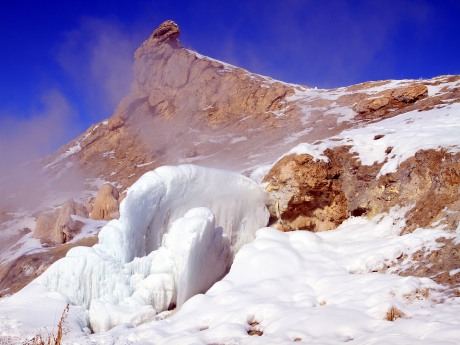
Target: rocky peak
x: 168, y: 32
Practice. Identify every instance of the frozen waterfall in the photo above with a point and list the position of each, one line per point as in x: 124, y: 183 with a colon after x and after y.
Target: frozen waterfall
x: 178, y: 230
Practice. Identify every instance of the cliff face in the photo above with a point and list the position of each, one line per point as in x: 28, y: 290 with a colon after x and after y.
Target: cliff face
x: 187, y: 108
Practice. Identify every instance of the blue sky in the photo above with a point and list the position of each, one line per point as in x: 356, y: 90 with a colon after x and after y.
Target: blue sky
x: 65, y: 64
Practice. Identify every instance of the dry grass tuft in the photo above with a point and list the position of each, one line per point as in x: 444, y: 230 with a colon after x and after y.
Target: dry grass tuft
x: 51, y: 339
x: 393, y: 313
x: 254, y: 329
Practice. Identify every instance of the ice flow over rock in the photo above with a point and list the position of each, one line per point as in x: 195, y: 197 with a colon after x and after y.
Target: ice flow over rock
x: 178, y: 230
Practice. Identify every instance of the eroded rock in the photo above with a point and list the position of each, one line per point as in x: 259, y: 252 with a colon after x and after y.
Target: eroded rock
x: 373, y: 104
x: 388, y: 101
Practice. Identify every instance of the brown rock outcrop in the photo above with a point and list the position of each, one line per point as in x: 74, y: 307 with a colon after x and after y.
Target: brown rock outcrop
x: 369, y: 105
x: 386, y: 102
x: 429, y: 183
x: 306, y: 194
x: 410, y: 94
x: 167, y: 32
x: 105, y: 205
x: 59, y: 227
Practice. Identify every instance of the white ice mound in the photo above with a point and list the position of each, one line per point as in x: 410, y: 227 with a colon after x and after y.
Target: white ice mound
x: 161, y: 196
x: 199, y: 216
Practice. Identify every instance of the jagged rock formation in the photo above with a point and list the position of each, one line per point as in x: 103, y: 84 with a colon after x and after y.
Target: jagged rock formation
x: 306, y: 194
x: 59, y: 227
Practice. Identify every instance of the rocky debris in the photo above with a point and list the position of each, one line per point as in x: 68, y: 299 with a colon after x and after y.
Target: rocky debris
x: 105, y: 204
x: 317, y: 196
x: 59, y: 227
x: 254, y: 329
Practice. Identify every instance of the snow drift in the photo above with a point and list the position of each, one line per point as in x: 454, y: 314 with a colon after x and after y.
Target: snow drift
x: 178, y: 230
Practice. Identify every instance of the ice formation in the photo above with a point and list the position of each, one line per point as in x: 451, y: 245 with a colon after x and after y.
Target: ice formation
x: 178, y: 230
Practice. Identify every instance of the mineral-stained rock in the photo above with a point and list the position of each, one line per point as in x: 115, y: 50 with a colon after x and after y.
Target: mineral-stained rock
x: 316, y: 195
x: 59, y: 227
x: 307, y: 194
x: 105, y: 206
